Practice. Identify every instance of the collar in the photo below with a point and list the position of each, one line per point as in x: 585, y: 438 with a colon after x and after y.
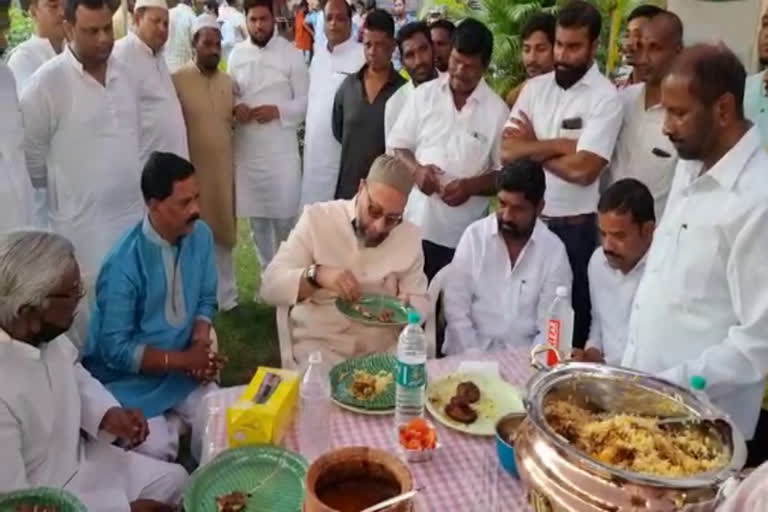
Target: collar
x: 70, y: 57
x: 152, y: 235
x: 20, y: 348
x: 639, y: 266
x: 343, y: 47
x: 393, y: 78
x: 270, y: 44
x: 477, y: 95
x: 641, y: 98
x: 728, y: 169
x: 135, y: 40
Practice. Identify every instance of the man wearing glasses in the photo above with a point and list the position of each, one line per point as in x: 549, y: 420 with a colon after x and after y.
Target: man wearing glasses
x: 344, y: 249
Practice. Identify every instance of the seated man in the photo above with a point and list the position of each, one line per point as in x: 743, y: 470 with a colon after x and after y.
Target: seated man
x: 149, y: 339
x: 56, y: 421
x: 626, y: 219
x: 344, y: 249
x: 506, y: 270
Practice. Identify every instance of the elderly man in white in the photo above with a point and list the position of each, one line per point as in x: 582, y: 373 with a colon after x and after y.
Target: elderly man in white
x: 270, y: 106
x: 161, y: 121
x: 56, y: 421
x: 332, y: 63
x: 16, y: 196
x: 506, y: 270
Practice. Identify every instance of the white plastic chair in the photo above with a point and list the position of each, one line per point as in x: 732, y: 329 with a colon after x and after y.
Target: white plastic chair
x: 435, y: 288
x: 284, y: 337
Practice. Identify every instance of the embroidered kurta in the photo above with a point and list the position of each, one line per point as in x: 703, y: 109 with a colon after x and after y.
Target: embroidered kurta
x: 149, y: 293
x: 207, y: 102
x: 47, y: 400
x: 324, y: 235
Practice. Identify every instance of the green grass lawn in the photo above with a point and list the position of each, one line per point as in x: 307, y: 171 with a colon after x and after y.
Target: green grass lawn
x: 249, y: 334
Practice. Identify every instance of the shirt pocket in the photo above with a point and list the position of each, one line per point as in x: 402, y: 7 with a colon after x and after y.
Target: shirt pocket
x: 473, y: 153
x: 525, y: 313
x: 696, y: 257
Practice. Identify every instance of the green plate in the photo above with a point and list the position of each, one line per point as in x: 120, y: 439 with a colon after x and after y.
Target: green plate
x: 497, y: 398
x: 374, y: 304
x: 343, y: 374
x: 45, y: 496
x: 273, y: 475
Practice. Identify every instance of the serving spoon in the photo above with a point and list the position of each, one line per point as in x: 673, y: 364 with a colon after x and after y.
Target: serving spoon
x: 392, y: 501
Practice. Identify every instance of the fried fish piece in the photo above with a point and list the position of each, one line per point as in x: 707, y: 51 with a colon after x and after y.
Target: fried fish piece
x: 459, y: 410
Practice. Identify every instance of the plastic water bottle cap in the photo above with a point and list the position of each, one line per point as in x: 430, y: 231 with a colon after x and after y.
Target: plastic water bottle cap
x: 414, y: 317
x: 698, y: 382
x: 316, y: 357
x: 562, y: 291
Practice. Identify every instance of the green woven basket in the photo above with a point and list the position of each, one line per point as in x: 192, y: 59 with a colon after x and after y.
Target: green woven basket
x: 273, y: 476
x: 41, y: 496
x: 342, y: 375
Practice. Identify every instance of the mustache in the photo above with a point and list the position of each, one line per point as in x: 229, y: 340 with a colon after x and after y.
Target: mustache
x: 611, y: 254
x: 193, y: 218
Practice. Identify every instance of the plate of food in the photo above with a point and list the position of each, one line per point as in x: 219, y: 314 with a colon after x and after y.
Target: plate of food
x: 375, y: 310
x: 41, y: 499
x: 248, y: 479
x: 365, y: 384
x: 472, y: 402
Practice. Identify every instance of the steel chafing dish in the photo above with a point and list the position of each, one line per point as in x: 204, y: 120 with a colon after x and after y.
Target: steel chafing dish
x: 562, y: 478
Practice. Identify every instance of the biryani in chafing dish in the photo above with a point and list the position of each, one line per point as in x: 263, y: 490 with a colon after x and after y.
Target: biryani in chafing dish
x: 635, y: 443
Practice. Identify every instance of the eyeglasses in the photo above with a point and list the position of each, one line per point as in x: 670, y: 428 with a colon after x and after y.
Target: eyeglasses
x: 376, y: 212
x: 77, y: 294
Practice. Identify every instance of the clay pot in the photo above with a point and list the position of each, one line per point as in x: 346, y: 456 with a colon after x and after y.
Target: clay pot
x: 356, y: 461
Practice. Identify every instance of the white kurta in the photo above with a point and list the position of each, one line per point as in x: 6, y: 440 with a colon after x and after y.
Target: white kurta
x: 267, y: 162
x: 322, y: 152
x: 161, y: 121
x: 178, y: 49
x: 46, y: 399
x: 82, y: 142
x: 16, y: 196
x: 27, y: 57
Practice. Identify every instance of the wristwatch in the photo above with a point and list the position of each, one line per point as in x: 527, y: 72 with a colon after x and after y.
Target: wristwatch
x: 311, y: 275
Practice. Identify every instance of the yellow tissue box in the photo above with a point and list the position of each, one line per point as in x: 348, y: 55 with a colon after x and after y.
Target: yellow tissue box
x: 250, y: 422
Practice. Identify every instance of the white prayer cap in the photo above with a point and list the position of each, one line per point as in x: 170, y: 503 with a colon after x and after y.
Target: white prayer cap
x: 150, y: 3
x: 204, y: 21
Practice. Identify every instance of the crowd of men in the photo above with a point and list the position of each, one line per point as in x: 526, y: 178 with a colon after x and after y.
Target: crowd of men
x: 645, y: 199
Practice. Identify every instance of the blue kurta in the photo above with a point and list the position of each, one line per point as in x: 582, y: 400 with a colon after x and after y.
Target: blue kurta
x: 149, y: 293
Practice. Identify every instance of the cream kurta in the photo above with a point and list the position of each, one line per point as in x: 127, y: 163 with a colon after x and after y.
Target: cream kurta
x: 324, y: 236
x: 267, y: 155
x: 207, y: 103
x: 46, y: 400
x: 160, y: 119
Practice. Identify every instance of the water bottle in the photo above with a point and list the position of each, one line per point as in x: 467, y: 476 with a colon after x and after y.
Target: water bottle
x: 411, y: 371
x: 315, y: 412
x: 560, y: 325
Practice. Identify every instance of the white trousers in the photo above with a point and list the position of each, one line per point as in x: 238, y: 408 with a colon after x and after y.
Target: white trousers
x: 225, y: 267
x: 109, y: 479
x: 267, y: 235
x: 165, y: 430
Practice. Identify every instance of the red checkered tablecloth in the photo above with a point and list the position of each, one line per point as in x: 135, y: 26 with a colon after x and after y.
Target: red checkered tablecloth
x: 451, y: 480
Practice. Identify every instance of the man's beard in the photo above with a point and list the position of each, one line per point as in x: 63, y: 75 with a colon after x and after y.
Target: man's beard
x: 514, y: 232
x: 361, y: 232
x: 260, y: 43
x: 566, y: 75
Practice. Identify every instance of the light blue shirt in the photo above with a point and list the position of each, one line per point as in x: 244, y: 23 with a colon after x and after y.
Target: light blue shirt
x: 149, y: 293
x: 756, y: 104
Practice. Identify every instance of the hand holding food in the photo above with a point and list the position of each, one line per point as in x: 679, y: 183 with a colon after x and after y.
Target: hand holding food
x: 417, y: 434
x: 128, y: 425
x: 340, y: 281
